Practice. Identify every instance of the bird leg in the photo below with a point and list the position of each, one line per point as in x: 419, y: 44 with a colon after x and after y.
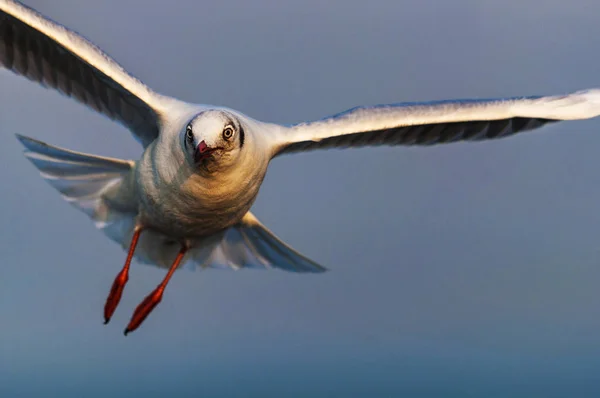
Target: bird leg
x: 119, y: 284
x: 152, y: 300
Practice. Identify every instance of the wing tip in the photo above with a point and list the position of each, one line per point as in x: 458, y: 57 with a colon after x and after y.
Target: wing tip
x: 31, y: 144
x: 582, y: 104
x: 591, y: 95
x: 318, y: 269
x: 24, y: 139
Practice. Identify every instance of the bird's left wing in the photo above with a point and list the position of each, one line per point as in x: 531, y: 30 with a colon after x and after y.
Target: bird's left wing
x: 435, y: 122
x: 56, y: 57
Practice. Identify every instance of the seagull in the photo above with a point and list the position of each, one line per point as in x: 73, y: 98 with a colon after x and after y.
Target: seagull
x: 187, y: 199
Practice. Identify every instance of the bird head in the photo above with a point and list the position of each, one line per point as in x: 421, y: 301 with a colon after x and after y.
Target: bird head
x: 213, y: 139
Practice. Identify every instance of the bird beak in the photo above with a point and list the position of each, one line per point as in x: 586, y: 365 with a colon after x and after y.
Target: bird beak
x: 203, y: 151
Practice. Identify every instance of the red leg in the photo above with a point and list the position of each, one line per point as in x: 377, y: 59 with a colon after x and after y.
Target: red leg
x: 152, y: 300
x: 119, y: 284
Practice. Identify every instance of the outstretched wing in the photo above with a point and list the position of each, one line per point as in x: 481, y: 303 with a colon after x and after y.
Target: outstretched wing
x: 56, y: 57
x: 436, y: 122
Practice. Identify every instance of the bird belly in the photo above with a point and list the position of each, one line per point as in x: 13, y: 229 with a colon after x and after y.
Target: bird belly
x: 194, y: 207
x: 184, y: 203
x: 183, y: 219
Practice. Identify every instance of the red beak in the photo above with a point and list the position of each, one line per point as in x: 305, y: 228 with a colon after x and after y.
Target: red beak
x: 203, y: 151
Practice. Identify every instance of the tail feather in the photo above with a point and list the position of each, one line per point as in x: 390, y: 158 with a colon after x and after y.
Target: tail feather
x: 79, y: 186
x: 95, y: 185
x: 249, y: 244
x: 79, y: 177
x: 86, y: 182
x: 56, y: 167
x: 36, y: 147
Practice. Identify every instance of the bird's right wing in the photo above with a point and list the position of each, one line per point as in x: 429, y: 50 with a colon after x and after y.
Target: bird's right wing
x: 56, y: 57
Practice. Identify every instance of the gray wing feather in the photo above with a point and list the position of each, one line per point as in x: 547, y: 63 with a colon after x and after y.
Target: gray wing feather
x: 425, y: 134
x: 58, y: 58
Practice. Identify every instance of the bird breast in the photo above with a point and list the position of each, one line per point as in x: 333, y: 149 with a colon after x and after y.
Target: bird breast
x: 182, y: 203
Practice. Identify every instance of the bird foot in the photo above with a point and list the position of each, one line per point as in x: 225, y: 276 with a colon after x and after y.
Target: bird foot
x: 115, y: 294
x: 116, y: 290
x: 144, y: 308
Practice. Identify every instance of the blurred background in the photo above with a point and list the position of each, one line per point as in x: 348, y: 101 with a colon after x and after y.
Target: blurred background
x: 459, y: 270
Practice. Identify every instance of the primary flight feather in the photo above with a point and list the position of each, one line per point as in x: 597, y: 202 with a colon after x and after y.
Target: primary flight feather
x: 188, y: 198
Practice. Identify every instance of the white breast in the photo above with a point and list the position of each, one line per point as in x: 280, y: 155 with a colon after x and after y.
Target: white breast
x: 181, y: 203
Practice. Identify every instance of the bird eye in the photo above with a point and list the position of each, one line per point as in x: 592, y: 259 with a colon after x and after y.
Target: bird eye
x: 228, y: 132
x: 188, y: 133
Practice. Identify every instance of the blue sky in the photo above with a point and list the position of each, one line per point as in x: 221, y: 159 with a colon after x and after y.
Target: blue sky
x: 467, y: 269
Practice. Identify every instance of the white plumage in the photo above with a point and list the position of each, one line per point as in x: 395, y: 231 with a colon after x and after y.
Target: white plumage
x: 188, y: 196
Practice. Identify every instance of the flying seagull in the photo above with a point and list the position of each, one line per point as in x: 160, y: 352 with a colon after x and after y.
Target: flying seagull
x: 187, y: 199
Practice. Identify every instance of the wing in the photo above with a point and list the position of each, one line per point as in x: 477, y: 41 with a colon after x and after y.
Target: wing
x: 56, y: 57
x: 436, y: 122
